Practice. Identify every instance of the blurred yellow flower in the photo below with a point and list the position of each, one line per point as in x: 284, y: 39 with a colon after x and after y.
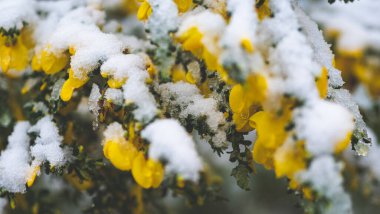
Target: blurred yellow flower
x: 49, y: 62
x: 245, y: 100
x: 342, y: 145
x: 147, y: 173
x: 33, y: 176
x: 121, y: 154
x: 289, y: 159
x: 322, y: 83
x: 271, y: 134
x: 70, y: 85
x: 14, y: 54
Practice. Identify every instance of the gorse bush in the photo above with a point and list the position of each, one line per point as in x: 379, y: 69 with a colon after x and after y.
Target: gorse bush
x: 107, y: 105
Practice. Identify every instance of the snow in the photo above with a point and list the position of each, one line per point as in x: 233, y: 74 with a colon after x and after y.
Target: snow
x: 289, y: 54
x: 324, y: 57
x: 114, y: 132
x: 122, y: 66
x: 131, y: 67
x: 169, y: 141
x: 93, y: 102
x: 322, y: 125
x: 357, y: 29
x: 192, y: 103
x: 114, y: 95
x: 211, y: 25
x: 242, y: 26
x: 47, y: 145
x: 324, y: 177
x: 343, y: 98
x: 15, y: 12
x: 14, y: 160
x: 322, y: 51
x: 91, y: 45
x: 137, y: 92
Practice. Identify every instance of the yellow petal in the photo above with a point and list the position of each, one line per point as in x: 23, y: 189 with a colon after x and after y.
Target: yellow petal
x: 241, y: 120
x: 138, y: 171
x: 158, y: 174
x: 289, y: 159
x: 113, y: 83
x: 33, y: 176
x: 143, y: 12
x: 189, y: 78
x: 237, y: 99
x: 210, y: 59
x: 36, y: 63
x: 120, y: 155
x: 19, y: 56
x: 67, y: 91
x: 51, y: 63
x: 178, y: 74
x: 256, y: 87
x: 183, y: 5
x: 263, y: 10
x: 247, y: 45
x: 342, y: 145
x: 5, y: 57
x: 322, y: 83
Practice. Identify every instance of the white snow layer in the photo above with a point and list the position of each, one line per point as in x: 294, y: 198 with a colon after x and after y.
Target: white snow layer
x: 324, y: 177
x: 47, y: 144
x: 14, y: 160
x: 15, y: 13
x: 132, y: 68
x: 323, y: 125
x: 169, y: 141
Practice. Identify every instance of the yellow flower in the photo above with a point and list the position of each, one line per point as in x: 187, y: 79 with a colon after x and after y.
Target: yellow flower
x: 322, y: 83
x: 147, y: 173
x: 192, y: 41
x: 263, y: 9
x: 114, y: 83
x: 245, y: 100
x: 49, y: 62
x: 247, y: 45
x: 241, y: 108
x: 342, y: 145
x: 145, y: 10
x: 13, y: 53
x: 180, y: 182
x: 33, y: 176
x: 271, y: 134
x: 121, y: 154
x: 70, y: 85
x: 178, y: 73
x: 183, y: 5
x: 289, y: 159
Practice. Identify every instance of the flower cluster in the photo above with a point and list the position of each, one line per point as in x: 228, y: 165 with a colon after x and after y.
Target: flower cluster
x: 162, y: 77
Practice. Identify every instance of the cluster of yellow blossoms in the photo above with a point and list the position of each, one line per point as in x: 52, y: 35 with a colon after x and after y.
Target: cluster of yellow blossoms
x: 270, y: 148
x: 51, y: 63
x: 14, y: 51
x: 125, y: 156
x: 361, y: 67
